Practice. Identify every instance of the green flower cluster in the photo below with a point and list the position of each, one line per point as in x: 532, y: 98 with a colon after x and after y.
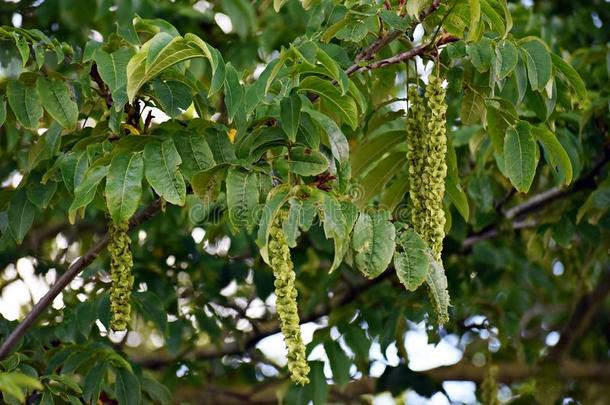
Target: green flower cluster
x: 121, y: 262
x: 427, y: 141
x: 286, y: 303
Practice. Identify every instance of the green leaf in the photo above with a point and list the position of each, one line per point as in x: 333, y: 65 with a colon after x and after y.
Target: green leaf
x: 92, y: 384
x: 393, y: 20
x: 371, y: 150
x: 85, y: 192
x: 290, y: 225
x: 23, y: 48
x: 55, y: 98
x: 290, y: 115
x: 275, y: 200
x: 307, y: 162
x: 373, y: 242
x: 277, y: 5
x: 344, y: 106
x: 124, y: 185
x: 234, y: 91
x: 495, y: 21
x: 557, y: 155
x: 453, y: 188
x: 157, y: 391
x: 242, y: 197
x: 473, y: 107
x: 215, y: 59
x: 475, y: 17
x: 507, y: 57
x: 354, y: 31
x: 242, y: 14
x: 415, y: 7
x: 394, y: 193
x: 161, y: 170
x: 41, y: 194
x: 2, y: 110
x: 497, y: 123
x: 221, y: 146
x: 157, y: 44
x: 333, y: 69
x: 174, y: 96
x: 141, y: 70
x: 520, y: 157
x: 340, y: 363
x: 127, y: 388
x: 317, y: 389
x: 25, y: 104
x: 335, y: 227
x: 508, y: 18
x: 438, y: 287
x: 377, y: 177
x: 14, y: 383
x: 112, y: 68
x: 46, y: 148
x: 73, y: 166
x: 570, y: 74
x: 20, y: 215
x: 336, y: 139
x: 206, y: 184
x: 538, y: 62
x: 413, y: 262
x: 194, y: 151
x: 151, y: 307
x: 481, y: 54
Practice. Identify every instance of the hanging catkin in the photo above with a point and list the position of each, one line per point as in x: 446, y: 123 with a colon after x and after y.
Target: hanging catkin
x: 427, y: 149
x: 121, y: 262
x: 286, y: 304
x: 427, y: 140
x: 415, y: 154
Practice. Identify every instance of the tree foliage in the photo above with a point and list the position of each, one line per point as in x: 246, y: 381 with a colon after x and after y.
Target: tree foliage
x: 331, y: 144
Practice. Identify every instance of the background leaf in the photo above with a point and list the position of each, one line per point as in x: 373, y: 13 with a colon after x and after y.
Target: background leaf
x: 124, y: 185
x: 161, y: 170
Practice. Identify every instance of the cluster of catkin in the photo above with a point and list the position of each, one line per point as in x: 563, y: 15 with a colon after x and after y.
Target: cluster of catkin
x: 427, y: 143
x: 286, y: 304
x: 121, y: 262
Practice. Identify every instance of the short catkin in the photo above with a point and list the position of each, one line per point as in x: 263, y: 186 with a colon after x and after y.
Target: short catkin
x: 286, y: 303
x: 427, y: 141
x: 121, y: 262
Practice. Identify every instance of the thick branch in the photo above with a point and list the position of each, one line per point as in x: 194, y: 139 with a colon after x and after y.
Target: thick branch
x: 65, y: 279
x: 513, y: 372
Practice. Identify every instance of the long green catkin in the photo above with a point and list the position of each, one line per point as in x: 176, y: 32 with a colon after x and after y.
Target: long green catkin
x: 427, y: 141
x: 426, y: 157
x: 286, y: 303
x: 436, y: 168
x: 121, y: 262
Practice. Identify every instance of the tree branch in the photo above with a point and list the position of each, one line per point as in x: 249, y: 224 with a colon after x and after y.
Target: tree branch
x: 513, y: 372
x: 65, y: 279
